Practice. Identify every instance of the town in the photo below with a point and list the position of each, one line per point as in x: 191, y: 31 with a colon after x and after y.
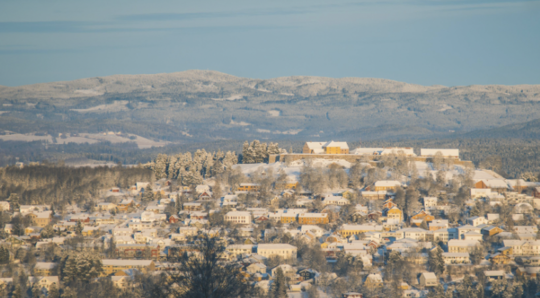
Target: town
x: 329, y: 221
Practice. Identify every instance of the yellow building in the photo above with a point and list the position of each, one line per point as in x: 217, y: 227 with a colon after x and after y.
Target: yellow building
x: 336, y: 148
x: 313, y: 218
x: 45, y: 268
x: 249, y: 187
x: 112, y: 266
x: 388, y: 185
x: 394, y: 213
x: 349, y: 230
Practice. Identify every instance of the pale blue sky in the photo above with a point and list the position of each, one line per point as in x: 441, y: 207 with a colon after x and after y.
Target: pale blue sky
x: 424, y: 42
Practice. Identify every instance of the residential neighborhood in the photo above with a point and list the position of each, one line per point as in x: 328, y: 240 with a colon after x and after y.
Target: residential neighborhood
x: 326, y: 222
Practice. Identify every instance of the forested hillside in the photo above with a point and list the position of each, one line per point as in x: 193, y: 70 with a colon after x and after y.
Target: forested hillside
x: 53, y: 184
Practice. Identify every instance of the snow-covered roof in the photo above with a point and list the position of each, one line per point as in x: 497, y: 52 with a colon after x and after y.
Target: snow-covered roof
x: 445, y: 152
x: 342, y: 145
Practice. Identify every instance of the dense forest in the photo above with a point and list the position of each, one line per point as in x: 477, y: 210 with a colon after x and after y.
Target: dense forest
x: 60, y: 185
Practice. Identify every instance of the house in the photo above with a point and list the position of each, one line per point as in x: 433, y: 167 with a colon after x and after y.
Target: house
x: 248, y: 187
x: 428, y: 279
x: 239, y: 217
x: 457, y: 245
x: 492, y: 217
x: 532, y: 272
x: 493, y: 275
x: 467, y: 229
x: 388, y: 185
x: 423, y: 216
x: 41, y: 219
x: 256, y: 268
x: 336, y: 148
x: 351, y: 229
x: 451, y: 258
x: 430, y: 203
x: 111, y: 266
x: 373, y: 280
x: 500, y: 259
x: 438, y: 224
x: 496, y: 185
x: 523, y: 247
x: 394, y: 214
x: 240, y: 249
x: 283, y: 250
x: 335, y: 200
x: 312, y: 218
x: 45, y: 268
x: 517, y: 185
x: 477, y: 220
x: 125, y: 204
x: 313, y: 148
x: 130, y: 251
x: 192, y: 207
x: 288, y: 270
x: 374, y: 195
x: 46, y: 282
x: 121, y: 282
x: 491, y: 231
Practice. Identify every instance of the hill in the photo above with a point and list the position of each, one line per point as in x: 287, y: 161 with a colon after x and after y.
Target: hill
x: 204, y: 106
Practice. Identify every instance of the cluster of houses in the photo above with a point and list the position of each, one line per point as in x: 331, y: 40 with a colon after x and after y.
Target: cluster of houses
x: 146, y: 237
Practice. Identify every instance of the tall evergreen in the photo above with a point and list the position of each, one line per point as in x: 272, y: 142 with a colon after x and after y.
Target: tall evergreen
x: 436, y: 261
x: 279, y: 287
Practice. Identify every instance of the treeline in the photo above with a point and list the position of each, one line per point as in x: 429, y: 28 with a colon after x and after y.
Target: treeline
x: 258, y: 152
x: 52, y: 184
x: 190, y: 169
x: 513, y: 157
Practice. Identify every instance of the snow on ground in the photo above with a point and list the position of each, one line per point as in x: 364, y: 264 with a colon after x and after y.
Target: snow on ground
x: 241, y: 123
x: 274, y: 113
x: 117, y: 106
x: 89, y: 92
x: 444, y: 108
x: 91, y: 138
x: 321, y: 162
x: 25, y: 137
x: 231, y: 98
x: 422, y: 166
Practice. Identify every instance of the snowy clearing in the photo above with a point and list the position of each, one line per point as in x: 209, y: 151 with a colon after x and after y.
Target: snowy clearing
x: 231, y: 98
x: 274, y: 113
x: 113, y: 107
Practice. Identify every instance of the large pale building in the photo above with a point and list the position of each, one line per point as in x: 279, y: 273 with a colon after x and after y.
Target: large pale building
x: 452, y: 153
x: 283, y: 250
x: 325, y: 148
x: 239, y: 217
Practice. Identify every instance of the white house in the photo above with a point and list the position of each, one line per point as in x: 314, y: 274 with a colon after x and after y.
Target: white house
x: 239, y: 217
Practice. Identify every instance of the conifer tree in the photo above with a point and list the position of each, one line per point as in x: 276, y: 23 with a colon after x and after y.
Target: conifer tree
x: 279, y: 287
x: 53, y: 292
x: 14, y: 202
x: 79, y: 228
x: 436, y: 261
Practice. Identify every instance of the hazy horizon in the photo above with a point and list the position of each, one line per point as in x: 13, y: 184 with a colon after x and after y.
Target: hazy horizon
x: 446, y: 43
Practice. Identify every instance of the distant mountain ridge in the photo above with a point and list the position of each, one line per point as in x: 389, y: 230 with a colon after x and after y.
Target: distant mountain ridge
x: 196, y: 105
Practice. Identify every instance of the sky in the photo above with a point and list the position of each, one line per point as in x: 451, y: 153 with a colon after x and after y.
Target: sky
x: 432, y: 42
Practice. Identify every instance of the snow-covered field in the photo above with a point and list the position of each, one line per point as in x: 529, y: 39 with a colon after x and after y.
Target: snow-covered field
x: 25, y: 137
x: 89, y: 138
x: 112, y: 108
x: 231, y: 98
